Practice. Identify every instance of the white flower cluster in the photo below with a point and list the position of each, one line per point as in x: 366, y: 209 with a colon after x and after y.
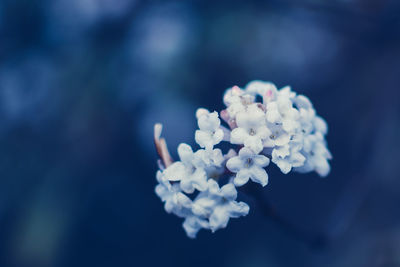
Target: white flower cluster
x: 266, y: 124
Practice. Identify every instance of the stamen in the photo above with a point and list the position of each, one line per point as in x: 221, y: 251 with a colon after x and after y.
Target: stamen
x: 248, y: 163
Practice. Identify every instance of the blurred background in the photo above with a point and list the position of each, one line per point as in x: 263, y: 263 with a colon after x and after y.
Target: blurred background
x: 83, y: 81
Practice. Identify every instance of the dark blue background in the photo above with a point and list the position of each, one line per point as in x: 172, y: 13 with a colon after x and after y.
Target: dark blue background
x: 83, y: 81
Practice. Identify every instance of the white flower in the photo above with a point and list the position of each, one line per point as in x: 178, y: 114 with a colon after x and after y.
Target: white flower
x: 175, y: 201
x: 252, y: 129
x: 313, y: 128
x: 237, y: 100
x: 320, y: 125
x: 266, y: 90
x: 273, y: 114
x: 316, y: 155
x: 309, y: 121
x: 286, y: 157
x: 188, y: 171
x: 193, y: 224
x: 232, y: 95
x: 248, y: 165
x: 209, y: 158
x: 293, y: 134
x: 235, y: 108
x: 240, y: 106
x: 210, y: 133
x: 277, y: 137
x: 212, y: 162
x: 286, y: 92
x: 302, y: 101
x: 219, y: 205
x: 281, y: 111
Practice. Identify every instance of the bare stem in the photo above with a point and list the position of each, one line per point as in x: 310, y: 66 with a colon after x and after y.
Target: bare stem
x: 161, y: 146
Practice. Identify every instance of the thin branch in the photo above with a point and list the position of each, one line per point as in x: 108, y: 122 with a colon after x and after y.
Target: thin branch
x: 161, y: 146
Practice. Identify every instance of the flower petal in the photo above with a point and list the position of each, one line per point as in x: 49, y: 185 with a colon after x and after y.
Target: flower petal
x: 204, y: 139
x: 219, y: 218
x: 284, y: 166
x: 175, y: 172
x: 261, y: 160
x: 184, y: 200
x: 242, y: 177
x: 254, y: 143
x: 192, y: 225
x: 238, y: 209
x: 229, y: 191
x: 259, y: 175
x: 322, y: 167
x: 234, y: 164
x: 185, y: 152
x: 238, y: 135
x: 218, y: 136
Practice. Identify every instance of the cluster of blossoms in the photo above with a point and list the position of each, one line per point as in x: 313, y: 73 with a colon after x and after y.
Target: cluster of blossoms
x: 264, y: 124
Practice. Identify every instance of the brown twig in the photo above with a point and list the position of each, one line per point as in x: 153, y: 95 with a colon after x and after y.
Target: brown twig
x: 161, y: 146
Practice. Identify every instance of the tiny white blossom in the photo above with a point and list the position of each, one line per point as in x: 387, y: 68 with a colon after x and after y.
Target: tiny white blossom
x: 188, y: 171
x: 277, y: 137
x: 286, y: 92
x: 302, y: 101
x: 232, y: 95
x: 210, y: 133
x: 286, y: 157
x: 193, y: 224
x: 208, y: 158
x: 306, y: 120
x: 236, y: 100
x: 320, y: 125
x: 282, y: 111
x: 316, y: 155
x: 266, y: 90
x: 313, y: 128
x: 212, y: 162
x: 273, y: 114
x: 240, y: 106
x: 251, y: 130
x: 248, y: 165
x: 175, y: 201
x: 235, y: 108
x: 219, y: 205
